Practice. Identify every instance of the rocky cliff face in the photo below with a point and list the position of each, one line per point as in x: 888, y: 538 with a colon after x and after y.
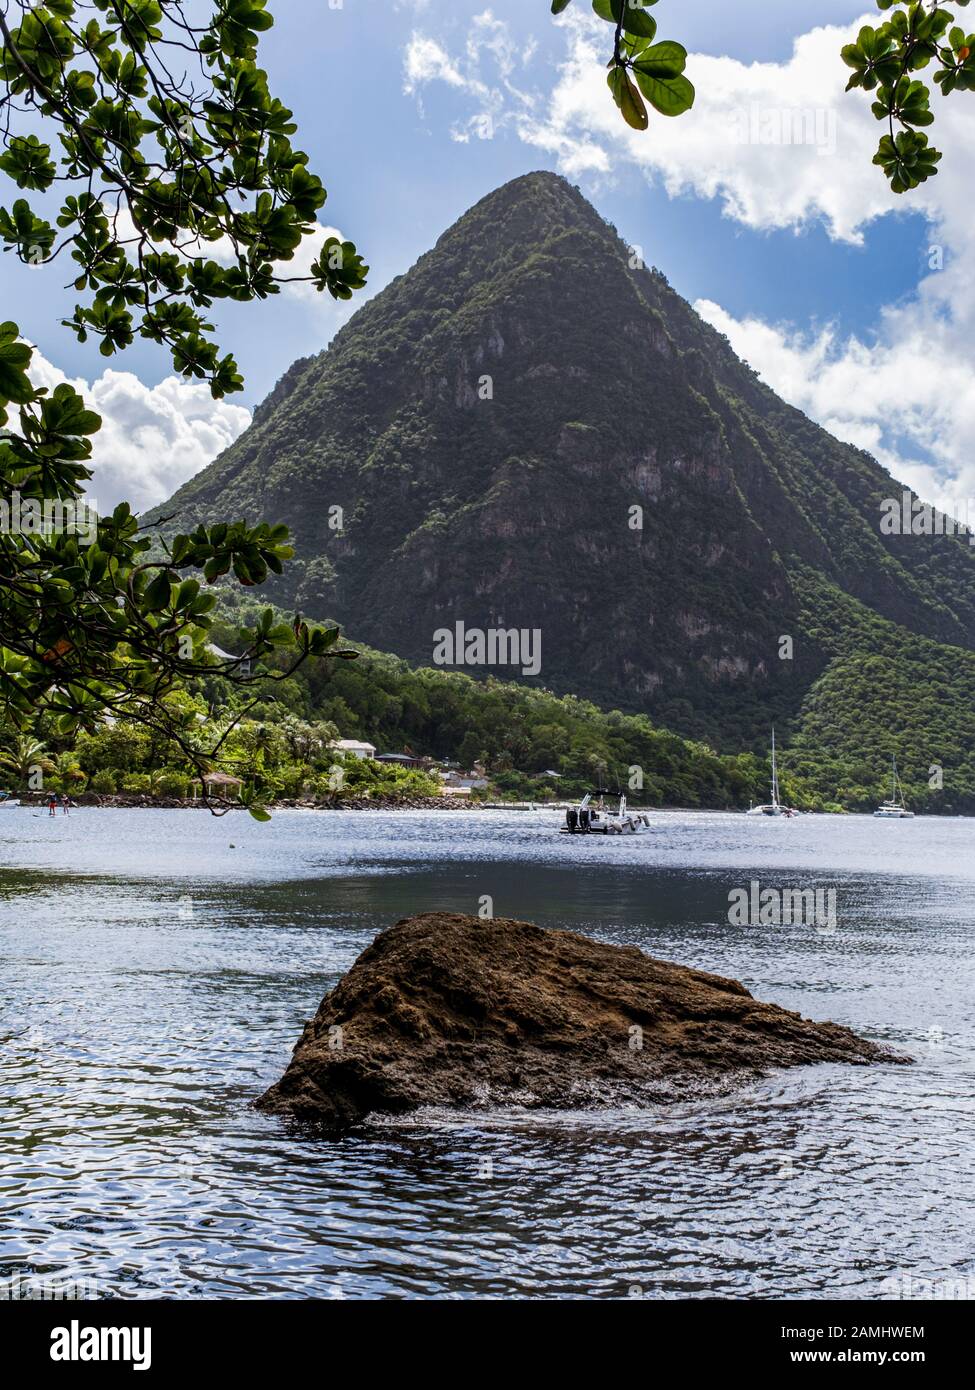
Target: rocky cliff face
x: 530, y: 430
x: 444, y: 1009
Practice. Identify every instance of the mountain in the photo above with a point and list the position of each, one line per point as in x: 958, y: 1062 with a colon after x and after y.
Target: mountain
x: 489, y: 422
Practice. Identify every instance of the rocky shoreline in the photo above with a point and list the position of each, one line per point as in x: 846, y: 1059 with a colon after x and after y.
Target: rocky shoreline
x: 128, y: 801
x: 451, y: 1010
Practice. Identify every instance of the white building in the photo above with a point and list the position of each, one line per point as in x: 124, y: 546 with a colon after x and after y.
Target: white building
x: 244, y: 669
x: 461, y: 783
x: 355, y: 746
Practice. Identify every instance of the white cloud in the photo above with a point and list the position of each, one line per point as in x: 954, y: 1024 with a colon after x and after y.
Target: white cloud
x: 152, y: 438
x: 909, y: 396
x: 779, y: 144
x: 490, y: 35
x: 426, y: 61
x: 488, y: 39
x: 782, y: 145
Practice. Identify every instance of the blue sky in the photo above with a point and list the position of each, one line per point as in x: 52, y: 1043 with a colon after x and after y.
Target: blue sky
x: 818, y: 276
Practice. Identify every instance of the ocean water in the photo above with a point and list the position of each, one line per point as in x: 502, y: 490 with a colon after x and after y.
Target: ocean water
x: 156, y: 968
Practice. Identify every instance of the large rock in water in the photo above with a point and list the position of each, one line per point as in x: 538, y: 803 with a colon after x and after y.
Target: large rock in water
x: 444, y: 1009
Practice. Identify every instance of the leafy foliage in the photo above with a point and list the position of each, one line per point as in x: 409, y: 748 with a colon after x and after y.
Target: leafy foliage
x: 159, y: 173
x: 883, y: 59
x: 640, y: 70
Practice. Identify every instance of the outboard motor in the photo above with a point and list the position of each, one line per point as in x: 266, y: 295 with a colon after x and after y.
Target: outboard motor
x: 585, y: 819
x: 572, y: 819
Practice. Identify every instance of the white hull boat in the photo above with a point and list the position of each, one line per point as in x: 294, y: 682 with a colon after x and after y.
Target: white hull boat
x: 894, y: 809
x: 594, y: 818
x: 773, y: 807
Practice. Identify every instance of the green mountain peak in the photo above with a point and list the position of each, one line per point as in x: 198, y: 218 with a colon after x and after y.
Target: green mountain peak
x: 531, y: 430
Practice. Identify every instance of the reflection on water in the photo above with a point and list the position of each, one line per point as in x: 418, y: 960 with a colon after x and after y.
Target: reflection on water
x: 154, y: 980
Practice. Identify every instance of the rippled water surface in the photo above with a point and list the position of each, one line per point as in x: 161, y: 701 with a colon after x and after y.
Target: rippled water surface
x: 157, y: 967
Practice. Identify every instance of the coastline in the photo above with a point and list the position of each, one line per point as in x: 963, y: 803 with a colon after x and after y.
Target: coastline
x: 120, y: 801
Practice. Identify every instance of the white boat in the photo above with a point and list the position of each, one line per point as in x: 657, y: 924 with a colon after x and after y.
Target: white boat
x: 595, y: 818
x: 894, y: 809
x: 7, y: 800
x: 773, y: 807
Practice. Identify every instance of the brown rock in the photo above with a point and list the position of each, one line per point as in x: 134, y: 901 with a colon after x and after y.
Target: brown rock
x: 444, y: 1009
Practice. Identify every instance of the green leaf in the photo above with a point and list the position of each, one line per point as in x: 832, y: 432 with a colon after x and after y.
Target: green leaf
x: 628, y: 99
x: 14, y: 360
x: 186, y: 594
x: 671, y: 96
x: 635, y: 18
x: 157, y: 594
x: 666, y: 59
x: 631, y: 46
x: 28, y: 162
x: 637, y: 21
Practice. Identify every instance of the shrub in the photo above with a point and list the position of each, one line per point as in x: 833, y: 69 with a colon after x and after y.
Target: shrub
x: 103, y: 782
x: 137, y: 783
x: 322, y: 786
x: 292, y: 780
x: 171, y: 783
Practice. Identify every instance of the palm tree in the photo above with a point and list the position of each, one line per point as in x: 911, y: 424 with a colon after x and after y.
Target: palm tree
x: 68, y: 770
x: 25, y: 757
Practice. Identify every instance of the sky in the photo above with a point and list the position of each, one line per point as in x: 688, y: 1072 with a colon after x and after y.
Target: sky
x: 852, y: 303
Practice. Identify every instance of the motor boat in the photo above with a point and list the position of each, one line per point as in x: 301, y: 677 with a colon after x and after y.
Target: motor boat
x: 595, y: 817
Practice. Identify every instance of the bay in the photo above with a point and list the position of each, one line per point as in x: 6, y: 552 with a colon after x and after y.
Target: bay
x: 157, y: 967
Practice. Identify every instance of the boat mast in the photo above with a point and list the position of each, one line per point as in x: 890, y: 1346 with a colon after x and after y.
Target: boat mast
x: 775, y: 776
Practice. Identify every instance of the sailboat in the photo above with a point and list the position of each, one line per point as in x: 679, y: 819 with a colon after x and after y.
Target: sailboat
x: 894, y: 809
x: 774, y: 807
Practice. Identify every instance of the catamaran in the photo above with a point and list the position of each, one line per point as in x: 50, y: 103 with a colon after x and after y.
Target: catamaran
x: 774, y: 807
x: 596, y: 818
x: 894, y: 809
